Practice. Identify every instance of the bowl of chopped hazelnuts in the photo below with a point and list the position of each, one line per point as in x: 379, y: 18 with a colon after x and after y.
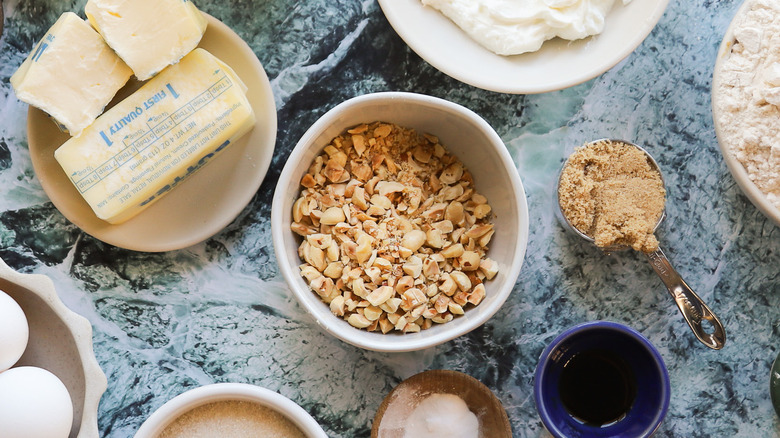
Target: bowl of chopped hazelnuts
x: 399, y: 221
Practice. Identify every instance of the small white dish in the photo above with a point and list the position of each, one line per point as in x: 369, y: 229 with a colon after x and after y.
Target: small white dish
x: 749, y: 188
x: 557, y: 65
x: 182, y: 403
x: 202, y: 205
x: 60, y: 342
x: 467, y: 136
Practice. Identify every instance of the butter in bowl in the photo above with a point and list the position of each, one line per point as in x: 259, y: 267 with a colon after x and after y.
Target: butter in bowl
x: 124, y: 160
x: 160, y: 145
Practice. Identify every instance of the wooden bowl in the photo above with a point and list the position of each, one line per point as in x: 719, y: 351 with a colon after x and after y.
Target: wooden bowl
x: 399, y: 404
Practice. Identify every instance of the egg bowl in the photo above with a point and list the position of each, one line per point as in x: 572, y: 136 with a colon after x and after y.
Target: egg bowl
x: 226, y: 392
x: 464, y: 134
x: 60, y: 341
x: 721, y: 120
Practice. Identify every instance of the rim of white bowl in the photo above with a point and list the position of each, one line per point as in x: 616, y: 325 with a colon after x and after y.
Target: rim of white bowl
x: 378, y: 341
x: 216, y: 392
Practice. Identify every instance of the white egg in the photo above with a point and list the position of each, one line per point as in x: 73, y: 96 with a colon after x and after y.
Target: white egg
x: 14, y: 331
x: 34, y: 403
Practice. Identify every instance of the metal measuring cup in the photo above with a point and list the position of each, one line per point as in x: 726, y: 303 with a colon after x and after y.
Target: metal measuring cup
x: 702, y: 321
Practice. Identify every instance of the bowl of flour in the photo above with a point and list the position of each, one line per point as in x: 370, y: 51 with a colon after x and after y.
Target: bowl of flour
x: 746, y: 102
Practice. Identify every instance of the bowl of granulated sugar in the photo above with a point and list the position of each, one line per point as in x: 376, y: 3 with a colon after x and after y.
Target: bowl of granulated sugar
x: 235, y: 410
x: 746, y: 103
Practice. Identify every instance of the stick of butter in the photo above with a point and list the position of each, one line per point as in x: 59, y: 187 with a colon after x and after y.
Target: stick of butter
x: 147, y: 34
x: 148, y: 143
x: 71, y: 75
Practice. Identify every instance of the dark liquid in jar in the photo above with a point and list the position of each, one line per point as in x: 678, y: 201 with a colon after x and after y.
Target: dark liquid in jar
x: 597, y: 387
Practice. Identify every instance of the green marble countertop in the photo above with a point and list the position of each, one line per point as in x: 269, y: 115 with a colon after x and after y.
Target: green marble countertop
x: 220, y: 311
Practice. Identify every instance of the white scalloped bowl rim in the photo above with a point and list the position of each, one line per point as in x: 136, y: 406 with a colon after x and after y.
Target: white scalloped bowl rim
x: 81, y: 330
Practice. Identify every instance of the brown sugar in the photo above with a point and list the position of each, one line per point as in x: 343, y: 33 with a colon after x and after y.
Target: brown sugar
x: 234, y: 419
x: 611, y: 192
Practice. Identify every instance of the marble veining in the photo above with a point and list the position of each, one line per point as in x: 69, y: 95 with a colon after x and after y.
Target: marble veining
x: 220, y: 311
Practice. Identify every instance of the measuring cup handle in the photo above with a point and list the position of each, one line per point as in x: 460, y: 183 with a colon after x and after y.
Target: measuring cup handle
x: 691, y: 306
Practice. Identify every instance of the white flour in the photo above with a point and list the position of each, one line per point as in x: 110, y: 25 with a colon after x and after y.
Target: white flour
x: 747, y: 97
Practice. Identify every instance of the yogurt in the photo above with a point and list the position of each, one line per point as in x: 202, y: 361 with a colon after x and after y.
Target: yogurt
x: 511, y: 27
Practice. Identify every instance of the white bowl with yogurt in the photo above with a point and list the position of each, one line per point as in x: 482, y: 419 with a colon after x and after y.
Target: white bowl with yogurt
x: 557, y: 65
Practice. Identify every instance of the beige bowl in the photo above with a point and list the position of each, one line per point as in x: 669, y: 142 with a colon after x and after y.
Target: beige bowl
x: 204, y: 204
x: 60, y: 342
x: 464, y: 134
x: 756, y: 196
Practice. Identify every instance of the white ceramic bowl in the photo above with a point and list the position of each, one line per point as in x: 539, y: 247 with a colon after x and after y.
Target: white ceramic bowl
x: 60, y: 342
x: 558, y: 64
x: 756, y: 196
x: 464, y: 134
x: 182, y: 403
